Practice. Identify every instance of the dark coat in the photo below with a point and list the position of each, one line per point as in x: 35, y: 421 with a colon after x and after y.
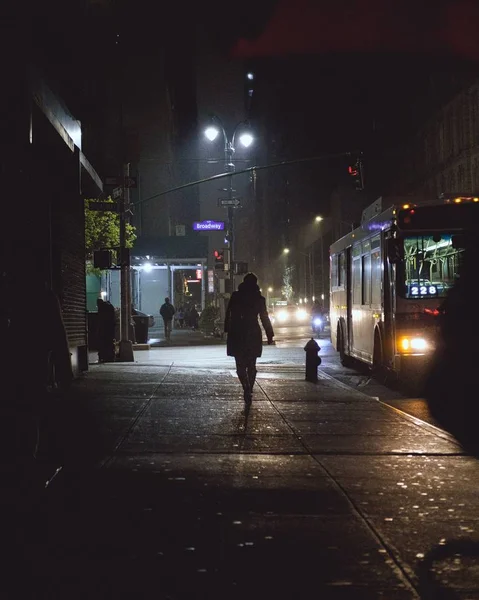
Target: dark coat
x: 167, y: 311
x: 241, y: 322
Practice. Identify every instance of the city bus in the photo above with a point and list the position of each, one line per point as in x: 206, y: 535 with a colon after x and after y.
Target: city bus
x: 389, y: 277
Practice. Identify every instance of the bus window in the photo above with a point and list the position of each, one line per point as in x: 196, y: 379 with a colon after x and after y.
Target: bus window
x: 431, y: 265
x: 334, y: 270
x: 366, y: 279
x: 376, y: 273
x: 357, y: 280
x: 342, y: 270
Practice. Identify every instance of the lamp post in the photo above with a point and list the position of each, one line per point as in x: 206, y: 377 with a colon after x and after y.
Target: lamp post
x: 318, y: 219
x: 246, y: 139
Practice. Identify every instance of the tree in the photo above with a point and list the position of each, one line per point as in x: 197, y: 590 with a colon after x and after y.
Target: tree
x: 102, y: 230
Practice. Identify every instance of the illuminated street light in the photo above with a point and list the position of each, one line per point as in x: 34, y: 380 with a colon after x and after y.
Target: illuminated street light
x: 211, y: 133
x: 250, y: 76
x: 318, y: 219
x: 270, y: 289
x: 246, y: 139
x: 285, y: 250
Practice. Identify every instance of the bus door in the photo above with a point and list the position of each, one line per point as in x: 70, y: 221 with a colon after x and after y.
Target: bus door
x: 349, y: 302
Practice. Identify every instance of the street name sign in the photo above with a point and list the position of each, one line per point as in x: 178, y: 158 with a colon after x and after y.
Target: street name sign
x: 228, y: 202
x: 129, y: 182
x: 117, y: 192
x: 208, y: 225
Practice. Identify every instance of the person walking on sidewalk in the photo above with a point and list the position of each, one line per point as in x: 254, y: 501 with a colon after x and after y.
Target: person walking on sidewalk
x: 167, y: 311
x: 245, y: 340
x: 195, y: 318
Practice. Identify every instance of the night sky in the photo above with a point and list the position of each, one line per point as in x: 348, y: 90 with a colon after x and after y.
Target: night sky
x: 344, y: 76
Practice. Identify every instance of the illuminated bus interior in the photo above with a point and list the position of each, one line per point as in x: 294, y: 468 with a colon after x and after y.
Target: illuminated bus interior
x: 431, y: 265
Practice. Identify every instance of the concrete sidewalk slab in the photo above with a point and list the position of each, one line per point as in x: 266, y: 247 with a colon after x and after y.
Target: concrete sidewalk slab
x: 318, y: 489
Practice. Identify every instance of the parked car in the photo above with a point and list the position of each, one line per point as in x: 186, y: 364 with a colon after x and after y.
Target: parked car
x: 290, y: 314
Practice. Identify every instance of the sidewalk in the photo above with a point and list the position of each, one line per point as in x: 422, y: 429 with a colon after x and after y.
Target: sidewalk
x: 179, y: 337
x: 320, y: 492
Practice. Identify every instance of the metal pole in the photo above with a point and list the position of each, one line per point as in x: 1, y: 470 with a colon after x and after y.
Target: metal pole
x: 322, y: 266
x: 231, y: 230
x: 313, y: 274
x: 126, y: 347
x: 307, y: 267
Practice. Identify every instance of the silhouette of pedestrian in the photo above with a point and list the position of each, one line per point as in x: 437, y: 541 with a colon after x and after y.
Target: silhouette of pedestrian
x: 451, y: 388
x: 244, y: 340
x: 167, y: 311
x: 106, y: 331
x: 194, y: 318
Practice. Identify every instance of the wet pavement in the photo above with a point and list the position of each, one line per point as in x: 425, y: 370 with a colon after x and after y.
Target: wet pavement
x: 169, y: 491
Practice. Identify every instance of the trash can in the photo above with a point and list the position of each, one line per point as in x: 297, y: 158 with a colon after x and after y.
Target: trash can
x: 141, y: 328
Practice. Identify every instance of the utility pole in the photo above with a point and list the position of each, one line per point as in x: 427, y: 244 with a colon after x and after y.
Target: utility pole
x: 230, y: 167
x: 126, y: 347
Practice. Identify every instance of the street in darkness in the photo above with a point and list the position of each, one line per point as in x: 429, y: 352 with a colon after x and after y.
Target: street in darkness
x: 168, y: 490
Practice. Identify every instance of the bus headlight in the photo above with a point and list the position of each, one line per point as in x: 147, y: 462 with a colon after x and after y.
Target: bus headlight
x: 413, y: 344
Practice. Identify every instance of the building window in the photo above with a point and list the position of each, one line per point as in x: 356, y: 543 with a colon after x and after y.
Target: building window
x: 475, y: 117
x: 460, y: 178
x: 475, y: 176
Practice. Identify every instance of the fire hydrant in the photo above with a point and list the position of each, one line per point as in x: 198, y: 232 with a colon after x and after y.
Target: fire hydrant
x: 312, y: 360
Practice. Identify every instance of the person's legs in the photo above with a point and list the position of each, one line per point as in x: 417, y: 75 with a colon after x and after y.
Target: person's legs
x: 251, y: 370
x: 242, y: 372
x: 167, y: 324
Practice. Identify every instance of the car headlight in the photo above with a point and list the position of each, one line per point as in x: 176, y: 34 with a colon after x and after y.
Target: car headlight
x: 413, y: 344
x: 282, y: 316
x: 317, y: 320
x: 301, y: 315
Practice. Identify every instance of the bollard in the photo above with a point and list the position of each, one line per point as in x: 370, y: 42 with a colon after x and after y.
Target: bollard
x: 312, y: 360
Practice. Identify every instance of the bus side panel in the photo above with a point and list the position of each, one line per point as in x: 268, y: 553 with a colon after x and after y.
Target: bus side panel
x: 338, y: 305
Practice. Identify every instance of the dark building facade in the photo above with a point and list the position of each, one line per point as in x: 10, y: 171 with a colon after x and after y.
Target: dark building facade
x: 443, y: 155
x: 46, y: 165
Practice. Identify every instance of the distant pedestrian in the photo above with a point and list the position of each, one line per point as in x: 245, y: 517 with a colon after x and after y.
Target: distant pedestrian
x: 245, y: 340
x: 194, y: 318
x: 167, y: 311
x: 180, y: 315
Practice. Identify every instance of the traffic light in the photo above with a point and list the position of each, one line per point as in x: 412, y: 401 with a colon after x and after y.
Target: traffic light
x: 219, y: 259
x: 356, y: 172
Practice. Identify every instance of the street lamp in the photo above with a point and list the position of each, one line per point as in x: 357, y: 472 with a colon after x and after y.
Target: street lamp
x: 246, y: 138
x: 211, y: 133
x: 285, y: 250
